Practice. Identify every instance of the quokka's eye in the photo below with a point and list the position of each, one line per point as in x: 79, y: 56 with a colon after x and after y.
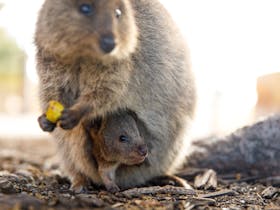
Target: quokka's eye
x: 123, y: 139
x: 86, y: 9
x: 118, y: 13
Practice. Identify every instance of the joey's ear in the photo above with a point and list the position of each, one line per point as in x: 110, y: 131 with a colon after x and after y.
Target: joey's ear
x: 132, y: 114
x: 97, y: 124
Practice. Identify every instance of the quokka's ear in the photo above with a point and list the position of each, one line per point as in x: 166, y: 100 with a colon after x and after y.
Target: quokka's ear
x: 132, y: 114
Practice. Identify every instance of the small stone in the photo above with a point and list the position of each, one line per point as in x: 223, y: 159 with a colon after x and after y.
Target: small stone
x: 270, y: 192
x: 7, y: 187
x: 242, y: 201
x: 117, y: 205
x: 67, y: 195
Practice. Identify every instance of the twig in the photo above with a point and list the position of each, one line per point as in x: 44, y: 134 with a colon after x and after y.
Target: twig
x: 158, y: 190
x: 217, y: 194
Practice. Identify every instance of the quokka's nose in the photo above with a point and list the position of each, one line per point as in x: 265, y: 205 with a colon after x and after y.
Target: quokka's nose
x: 142, y: 150
x: 107, y: 43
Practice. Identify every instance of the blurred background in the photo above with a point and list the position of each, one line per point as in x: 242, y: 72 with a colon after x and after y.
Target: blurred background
x: 235, y: 50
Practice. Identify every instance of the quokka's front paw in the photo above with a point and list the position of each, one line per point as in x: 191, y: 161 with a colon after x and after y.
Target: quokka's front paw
x: 79, y: 189
x: 112, y: 188
x: 69, y: 118
x: 45, y: 124
x: 79, y: 184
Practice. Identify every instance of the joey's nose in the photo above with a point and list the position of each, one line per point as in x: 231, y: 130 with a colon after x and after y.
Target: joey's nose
x: 107, y: 43
x: 142, y: 150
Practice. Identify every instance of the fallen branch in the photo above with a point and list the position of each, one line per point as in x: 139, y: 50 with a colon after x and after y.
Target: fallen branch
x: 254, y: 149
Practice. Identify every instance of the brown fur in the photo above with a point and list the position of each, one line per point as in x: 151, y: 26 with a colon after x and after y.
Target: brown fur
x: 108, y: 149
x: 148, y: 73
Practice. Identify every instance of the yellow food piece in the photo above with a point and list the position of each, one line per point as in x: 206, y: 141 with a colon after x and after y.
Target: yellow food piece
x: 54, y: 111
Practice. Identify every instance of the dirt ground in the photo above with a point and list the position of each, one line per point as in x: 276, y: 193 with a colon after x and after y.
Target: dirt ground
x: 28, y: 182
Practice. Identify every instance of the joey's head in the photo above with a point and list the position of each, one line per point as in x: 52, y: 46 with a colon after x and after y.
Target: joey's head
x: 122, y: 141
x: 102, y: 30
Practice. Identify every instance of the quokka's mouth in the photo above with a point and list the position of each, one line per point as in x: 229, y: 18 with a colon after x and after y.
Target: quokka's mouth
x: 136, y: 160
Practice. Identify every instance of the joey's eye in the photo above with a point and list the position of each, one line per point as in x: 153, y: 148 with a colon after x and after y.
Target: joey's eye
x: 86, y: 9
x: 118, y: 13
x: 123, y: 139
